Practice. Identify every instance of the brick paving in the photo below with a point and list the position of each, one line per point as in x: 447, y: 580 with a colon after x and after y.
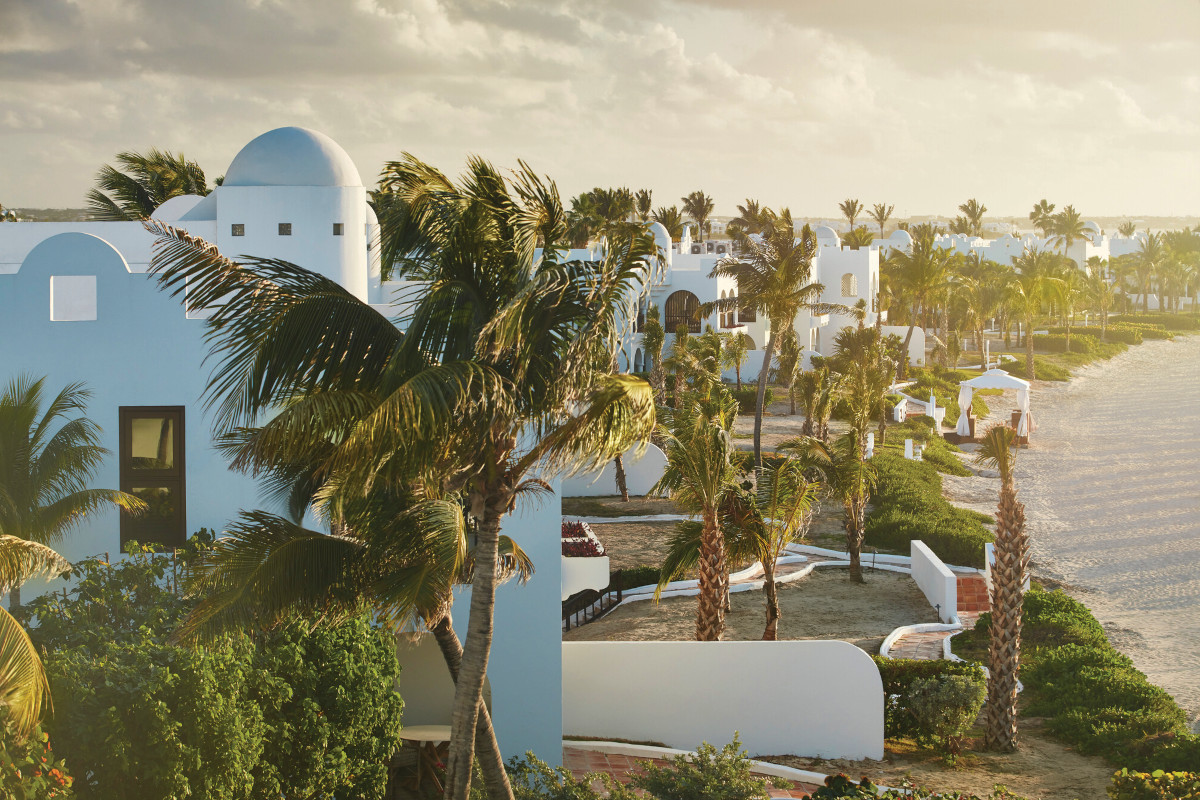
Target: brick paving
x: 972, y: 601
x: 622, y: 768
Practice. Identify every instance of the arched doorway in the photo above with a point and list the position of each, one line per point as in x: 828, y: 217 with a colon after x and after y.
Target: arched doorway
x: 681, y: 308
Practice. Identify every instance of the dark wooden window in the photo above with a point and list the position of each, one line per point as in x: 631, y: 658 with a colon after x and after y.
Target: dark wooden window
x: 682, y: 307
x: 153, y: 469
x: 339, y: 228
x: 747, y: 314
x: 237, y: 229
x: 285, y: 229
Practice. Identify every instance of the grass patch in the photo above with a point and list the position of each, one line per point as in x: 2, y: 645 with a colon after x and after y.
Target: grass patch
x: 611, y: 506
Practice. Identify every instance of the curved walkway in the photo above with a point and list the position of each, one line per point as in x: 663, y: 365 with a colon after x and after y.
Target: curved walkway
x: 934, y: 645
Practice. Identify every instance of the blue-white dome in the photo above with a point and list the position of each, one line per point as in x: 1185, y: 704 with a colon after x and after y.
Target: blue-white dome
x: 292, y: 157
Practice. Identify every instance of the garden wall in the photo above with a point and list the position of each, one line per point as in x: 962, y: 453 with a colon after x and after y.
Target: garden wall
x: 935, y: 579
x: 640, y: 475
x: 807, y: 698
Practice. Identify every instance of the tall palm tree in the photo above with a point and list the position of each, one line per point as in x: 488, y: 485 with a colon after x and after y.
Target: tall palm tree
x: 973, y: 210
x: 788, y: 366
x: 1035, y: 282
x: 785, y: 498
x: 919, y: 276
x: 1127, y: 228
x: 24, y: 687
x: 733, y: 354
x: 996, y: 450
x: 774, y: 276
x: 979, y: 297
x: 1068, y: 228
x: 141, y: 183
x: 1072, y: 290
x: 1042, y: 216
x: 653, y: 339
x: 1101, y: 292
x: 851, y: 208
x: 848, y: 476
x: 752, y: 217
x: 642, y: 200
x: 671, y: 219
x: 881, y: 213
x: 700, y: 475
x: 699, y: 207
x: 492, y: 382
x: 1147, y: 261
x: 48, y: 454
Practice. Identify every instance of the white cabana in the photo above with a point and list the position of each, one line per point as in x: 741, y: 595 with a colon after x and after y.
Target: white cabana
x: 994, y: 379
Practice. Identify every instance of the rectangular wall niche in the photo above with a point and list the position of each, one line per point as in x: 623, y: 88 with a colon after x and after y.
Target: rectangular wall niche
x: 72, y: 298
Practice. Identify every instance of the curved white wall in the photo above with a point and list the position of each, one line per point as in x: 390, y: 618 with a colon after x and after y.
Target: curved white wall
x: 936, y: 580
x: 640, y: 475
x: 580, y: 572
x: 806, y: 698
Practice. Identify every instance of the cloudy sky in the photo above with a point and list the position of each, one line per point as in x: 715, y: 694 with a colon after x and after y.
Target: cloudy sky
x: 917, y: 103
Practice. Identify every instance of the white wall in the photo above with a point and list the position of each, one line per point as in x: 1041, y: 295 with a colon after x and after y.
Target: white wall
x: 806, y: 698
x: 935, y: 579
x: 584, y: 572
x: 640, y: 475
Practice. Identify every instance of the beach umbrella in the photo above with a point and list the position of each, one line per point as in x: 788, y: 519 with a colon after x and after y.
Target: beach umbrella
x: 1025, y: 425
x: 965, y: 396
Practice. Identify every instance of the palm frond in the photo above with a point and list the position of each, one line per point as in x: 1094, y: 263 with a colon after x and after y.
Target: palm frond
x: 24, y: 687
x: 21, y: 560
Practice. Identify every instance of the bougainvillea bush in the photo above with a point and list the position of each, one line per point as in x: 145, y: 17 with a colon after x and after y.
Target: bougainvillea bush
x: 30, y: 769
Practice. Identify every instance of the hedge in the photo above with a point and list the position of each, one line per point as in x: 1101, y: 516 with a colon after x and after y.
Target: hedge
x: 898, y: 675
x: 1114, y: 333
x: 1055, y: 343
x: 1157, y: 785
x: 908, y: 504
x: 1172, y: 322
x: 748, y: 398
x: 1042, y: 370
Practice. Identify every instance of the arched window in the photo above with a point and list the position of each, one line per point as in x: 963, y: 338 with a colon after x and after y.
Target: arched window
x: 748, y: 341
x: 637, y: 360
x: 682, y: 308
x: 849, y: 285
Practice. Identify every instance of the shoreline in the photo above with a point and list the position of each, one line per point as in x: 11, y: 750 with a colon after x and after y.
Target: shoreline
x: 1087, y: 550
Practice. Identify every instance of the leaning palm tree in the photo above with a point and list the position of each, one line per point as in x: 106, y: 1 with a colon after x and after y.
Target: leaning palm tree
x: 699, y: 207
x: 848, y: 476
x: 1008, y: 592
x: 786, y: 500
x: 48, y: 454
x: 850, y: 209
x: 774, y: 275
x: 141, y: 183
x: 492, y: 382
x: 699, y: 476
x: 881, y: 213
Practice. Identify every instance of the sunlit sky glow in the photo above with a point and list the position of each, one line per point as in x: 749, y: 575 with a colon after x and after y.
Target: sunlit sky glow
x: 917, y: 103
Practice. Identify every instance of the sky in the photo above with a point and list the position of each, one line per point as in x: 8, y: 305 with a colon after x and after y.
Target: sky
x: 796, y: 103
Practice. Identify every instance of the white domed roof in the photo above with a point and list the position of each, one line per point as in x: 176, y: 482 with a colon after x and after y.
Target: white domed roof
x: 372, y: 217
x: 900, y: 237
x: 1091, y: 226
x: 824, y: 232
x: 292, y: 157
x: 173, y: 209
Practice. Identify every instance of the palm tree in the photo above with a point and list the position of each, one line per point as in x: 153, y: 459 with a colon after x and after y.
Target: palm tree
x: 881, y: 213
x: 653, y: 339
x: 699, y: 477
x: 785, y: 499
x: 47, y: 458
x: 1127, y: 228
x: 851, y: 208
x: 979, y: 296
x: 848, y: 476
x: 859, y: 237
x: 1068, y: 228
x: 1147, y: 261
x: 502, y: 343
x: 699, y: 207
x: 642, y: 201
x: 774, y: 276
x: 671, y: 219
x: 1042, y: 216
x: 141, y: 183
x: 752, y: 217
x: 1035, y: 282
x: 788, y: 366
x: 733, y: 354
x: 919, y: 275
x: 1008, y: 592
x: 1101, y: 292
x: 974, y: 211
x: 1072, y: 290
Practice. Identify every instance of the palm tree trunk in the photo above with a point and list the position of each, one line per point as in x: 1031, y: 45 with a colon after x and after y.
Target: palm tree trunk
x: 678, y: 387
x: 468, y: 691
x: 768, y: 354
x: 771, y: 591
x: 710, y: 615
x: 855, y: 508
x: 1029, y: 347
x: 1008, y: 595
x: 14, y: 599
x: 792, y: 398
x: 902, y: 370
x: 487, y: 749
x: 622, y: 485
x: 737, y: 372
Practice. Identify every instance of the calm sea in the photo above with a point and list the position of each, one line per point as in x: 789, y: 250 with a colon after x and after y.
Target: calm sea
x: 1112, y: 495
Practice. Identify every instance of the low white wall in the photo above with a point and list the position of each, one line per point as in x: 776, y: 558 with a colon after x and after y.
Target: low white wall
x: 579, y: 573
x: 807, y: 698
x: 936, y: 581
x: 640, y: 475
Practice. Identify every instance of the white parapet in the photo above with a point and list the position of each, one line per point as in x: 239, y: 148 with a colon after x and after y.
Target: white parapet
x: 809, y: 698
x: 936, y: 581
x: 579, y: 573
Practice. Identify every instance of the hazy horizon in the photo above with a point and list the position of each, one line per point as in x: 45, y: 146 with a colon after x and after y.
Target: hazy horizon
x: 921, y: 105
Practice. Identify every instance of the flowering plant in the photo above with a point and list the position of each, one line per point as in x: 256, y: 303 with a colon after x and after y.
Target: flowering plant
x: 29, y: 770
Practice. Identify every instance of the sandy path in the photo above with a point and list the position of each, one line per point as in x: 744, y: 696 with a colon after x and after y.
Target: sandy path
x: 825, y: 605
x: 634, y: 544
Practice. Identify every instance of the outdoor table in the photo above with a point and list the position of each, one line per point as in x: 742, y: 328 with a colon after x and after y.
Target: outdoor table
x: 428, y: 737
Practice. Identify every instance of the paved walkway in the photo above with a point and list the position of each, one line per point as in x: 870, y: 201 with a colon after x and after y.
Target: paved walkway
x: 972, y: 601
x: 623, y: 768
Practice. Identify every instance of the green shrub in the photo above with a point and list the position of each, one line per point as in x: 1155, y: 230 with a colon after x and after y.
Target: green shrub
x: 1157, y: 785
x: 633, y: 577
x: 946, y: 708
x: 1172, y: 322
x: 908, y: 504
x: 1115, y: 333
x: 747, y: 398
x: 534, y: 779
x: 292, y: 712
x: 709, y: 774
x: 1043, y: 370
x: 899, y: 674
x: 29, y: 769
x: 1146, y: 330
x: 1054, y: 343
x: 840, y: 787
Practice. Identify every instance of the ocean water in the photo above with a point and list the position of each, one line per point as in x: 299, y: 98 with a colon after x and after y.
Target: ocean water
x: 1111, y: 488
